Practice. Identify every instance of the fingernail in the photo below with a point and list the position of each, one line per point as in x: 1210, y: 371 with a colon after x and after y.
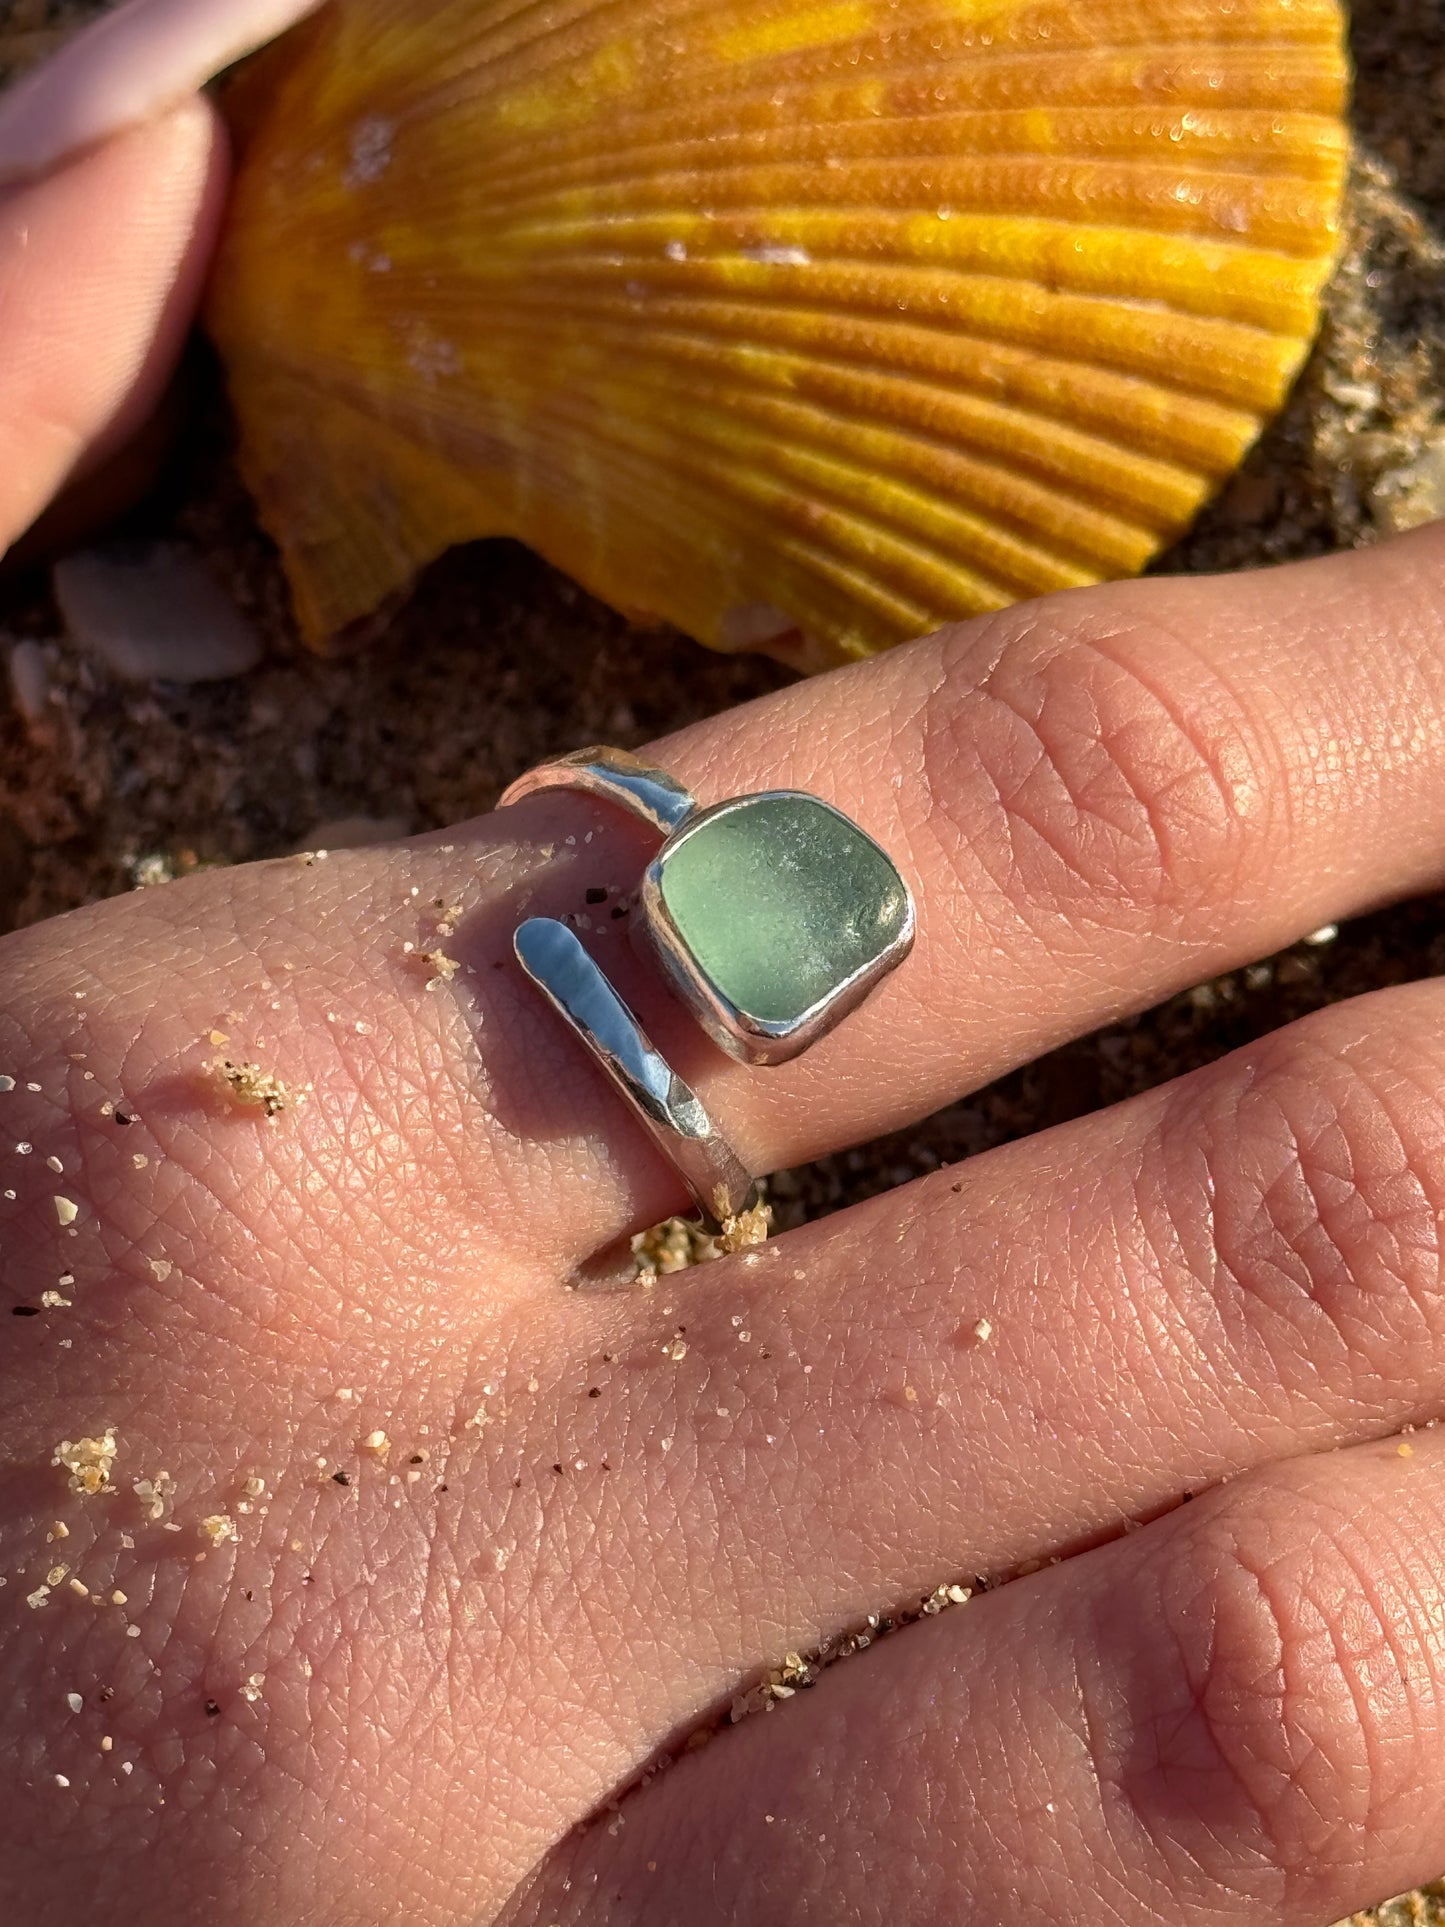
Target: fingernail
x: 128, y: 67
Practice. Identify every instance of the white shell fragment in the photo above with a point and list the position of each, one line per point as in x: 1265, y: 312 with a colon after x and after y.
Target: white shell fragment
x: 154, y: 614
x: 30, y: 681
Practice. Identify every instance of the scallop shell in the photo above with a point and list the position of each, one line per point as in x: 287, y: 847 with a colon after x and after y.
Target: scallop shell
x: 800, y: 324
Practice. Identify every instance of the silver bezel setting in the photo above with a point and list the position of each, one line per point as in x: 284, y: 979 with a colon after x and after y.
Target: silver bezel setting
x: 754, y: 1040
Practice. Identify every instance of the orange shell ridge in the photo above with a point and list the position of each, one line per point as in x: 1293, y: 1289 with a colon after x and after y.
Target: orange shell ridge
x: 804, y: 325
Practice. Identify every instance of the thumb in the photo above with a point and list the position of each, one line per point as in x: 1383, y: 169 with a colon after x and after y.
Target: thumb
x: 101, y: 266
x: 125, y: 68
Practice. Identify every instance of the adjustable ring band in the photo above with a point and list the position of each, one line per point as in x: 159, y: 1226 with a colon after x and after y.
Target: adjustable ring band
x: 771, y: 916
x: 553, y: 957
x: 617, y: 776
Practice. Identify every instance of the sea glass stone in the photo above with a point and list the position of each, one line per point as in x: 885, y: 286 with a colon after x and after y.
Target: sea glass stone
x: 782, y: 902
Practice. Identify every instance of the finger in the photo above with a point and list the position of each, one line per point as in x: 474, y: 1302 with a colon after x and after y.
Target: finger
x: 1099, y: 800
x: 1344, y: 659
x: 129, y: 66
x: 1231, y: 1716
x: 1002, y: 1363
x: 100, y: 270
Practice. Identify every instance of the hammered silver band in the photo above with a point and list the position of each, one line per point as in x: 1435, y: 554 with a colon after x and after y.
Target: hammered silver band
x: 553, y: 957
x: 615, y: 776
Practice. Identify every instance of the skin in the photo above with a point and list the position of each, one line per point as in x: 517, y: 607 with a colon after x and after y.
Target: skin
x: 1230, y: 1288
x: 137, y: 60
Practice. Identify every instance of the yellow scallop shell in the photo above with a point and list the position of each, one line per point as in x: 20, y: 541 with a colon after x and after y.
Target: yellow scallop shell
x: 801, y: 324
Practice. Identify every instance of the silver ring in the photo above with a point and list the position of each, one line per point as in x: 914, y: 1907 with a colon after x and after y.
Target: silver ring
x: 617, y: 776
x: 553, y: 957
x: 773, y: 916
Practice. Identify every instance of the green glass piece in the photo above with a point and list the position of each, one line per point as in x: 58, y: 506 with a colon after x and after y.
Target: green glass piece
x: 782, y: 901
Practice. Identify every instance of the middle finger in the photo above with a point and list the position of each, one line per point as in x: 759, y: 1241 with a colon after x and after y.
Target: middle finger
x: 997, y: 1367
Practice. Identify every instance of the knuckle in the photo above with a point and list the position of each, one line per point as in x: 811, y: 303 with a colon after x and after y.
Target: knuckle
x: 1096, y: 767
x: 1286, y: 1719
x: 1305, y: 1189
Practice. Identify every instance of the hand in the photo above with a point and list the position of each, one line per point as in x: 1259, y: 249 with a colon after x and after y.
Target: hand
x: 383, y: 1702
x: 392, y: 1698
